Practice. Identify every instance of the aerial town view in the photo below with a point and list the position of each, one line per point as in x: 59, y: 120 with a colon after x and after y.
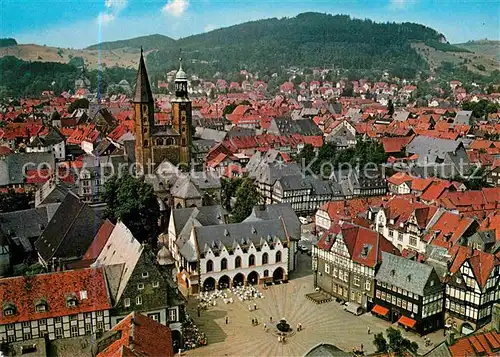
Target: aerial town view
x: 269, y: 178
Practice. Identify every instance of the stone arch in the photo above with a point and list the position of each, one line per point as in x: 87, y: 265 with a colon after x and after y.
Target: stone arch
x: 209, y: 284
x: 253, y: 278
x: 224, y: 282
x: 265, y: 258
x: 239, y: 279
x: 223, y: 264
x: 266, y: 273
x: 159, y: 142
x: 278, y: 275
x: 176, y: 340
x: 170, y: 141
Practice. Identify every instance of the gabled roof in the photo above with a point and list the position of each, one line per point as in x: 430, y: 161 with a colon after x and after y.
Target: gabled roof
x: 139, y: 336
x: 70, y: 231
x: 406, y: 274
x: 121, y: 248
x: 86, y: 286
x: 480, y: 262
x: 100, y: 240
x: 366, y: 246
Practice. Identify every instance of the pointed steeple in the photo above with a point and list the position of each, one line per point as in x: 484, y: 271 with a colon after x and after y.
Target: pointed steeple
x: 143, y: 93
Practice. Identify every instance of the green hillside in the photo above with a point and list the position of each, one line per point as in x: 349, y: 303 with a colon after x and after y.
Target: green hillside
x: 483, y: 47
x: 309, y: 39
x: 147, y: 42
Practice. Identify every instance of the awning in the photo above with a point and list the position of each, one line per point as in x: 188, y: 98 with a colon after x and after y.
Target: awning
x: 380, y: 310
x: 353, y: 308
x: 407, y: 321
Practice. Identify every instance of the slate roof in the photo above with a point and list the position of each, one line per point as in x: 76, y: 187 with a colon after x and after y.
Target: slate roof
x: 277, y: 211
x: 272, y: 172
x: 463, y: 117
x: 54, y: 289
x: 231, y: 235
x: 11, y: 166
x: 143, y: 93
x: 70, y: 231
x: 429, y: 149
x: 20, y: 226
x: 404, y: 273
x: 136, y: 335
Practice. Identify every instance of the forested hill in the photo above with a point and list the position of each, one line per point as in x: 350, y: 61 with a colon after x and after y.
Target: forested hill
x: 150, y: 42
x: 309, y: 40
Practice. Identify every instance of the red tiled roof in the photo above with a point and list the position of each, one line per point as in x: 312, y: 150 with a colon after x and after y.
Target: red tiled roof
x: 141, y: 336
x: 486, y: 343
x: 54, y: 289
x: 396, y: 144
x: 359, y: 240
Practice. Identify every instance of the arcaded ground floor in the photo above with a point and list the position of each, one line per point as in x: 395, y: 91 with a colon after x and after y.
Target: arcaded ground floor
x: 323, y: 323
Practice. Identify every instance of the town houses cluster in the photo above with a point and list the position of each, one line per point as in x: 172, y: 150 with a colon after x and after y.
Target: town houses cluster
x: 413, y: 240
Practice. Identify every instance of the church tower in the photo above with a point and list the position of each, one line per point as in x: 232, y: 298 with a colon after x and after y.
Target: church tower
x: 144, y: 118
x: 182, y: 115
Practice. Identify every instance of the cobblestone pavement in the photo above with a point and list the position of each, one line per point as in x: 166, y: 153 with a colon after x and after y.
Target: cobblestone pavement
x: 324, y: 323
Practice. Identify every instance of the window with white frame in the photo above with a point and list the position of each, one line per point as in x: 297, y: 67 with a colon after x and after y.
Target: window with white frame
x: 368, y: 285
x: 140, y: 286
x: 172, y: 315
x: 138, y: 300
x: 327, y: 268
x: 126, y: 302
x: 356, y: 280
x: 156, y: 284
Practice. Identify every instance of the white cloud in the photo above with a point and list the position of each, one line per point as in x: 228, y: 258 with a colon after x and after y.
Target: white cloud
x: 209, y: 27
x: 175, y: 7
x: 398, y: 4
x: 116, y: 5
x: 104, y: 18
x: 114, y: 8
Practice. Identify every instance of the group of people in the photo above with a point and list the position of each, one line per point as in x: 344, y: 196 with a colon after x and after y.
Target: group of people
x: 192, y: 336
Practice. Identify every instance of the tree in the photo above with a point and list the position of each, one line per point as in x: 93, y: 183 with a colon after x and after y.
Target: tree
x: 398, y: 344
x: 229, y: 188
x: 246, y: 198
x: 390, y: 107
x: 11, y: 201
x: 228, y: 109
x: 133, y: 202
x: 55, y: 116
x: 380, y: 343
x: 79, y: 103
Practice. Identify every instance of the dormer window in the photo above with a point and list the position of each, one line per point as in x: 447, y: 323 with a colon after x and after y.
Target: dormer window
x: 41, y: 307
x: 71, y: 301
x: 145, y: 274
x: 9, y: 310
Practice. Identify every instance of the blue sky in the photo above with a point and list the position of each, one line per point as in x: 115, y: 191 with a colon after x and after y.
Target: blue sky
x: 80, y: 23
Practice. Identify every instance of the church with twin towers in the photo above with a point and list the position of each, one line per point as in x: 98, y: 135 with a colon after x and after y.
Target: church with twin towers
x: 155, y: 143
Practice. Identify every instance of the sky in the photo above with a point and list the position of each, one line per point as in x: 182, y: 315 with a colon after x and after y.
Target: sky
x: 81, y: 23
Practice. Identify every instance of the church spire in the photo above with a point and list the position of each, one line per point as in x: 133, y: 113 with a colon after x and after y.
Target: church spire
x: 143, y: 93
